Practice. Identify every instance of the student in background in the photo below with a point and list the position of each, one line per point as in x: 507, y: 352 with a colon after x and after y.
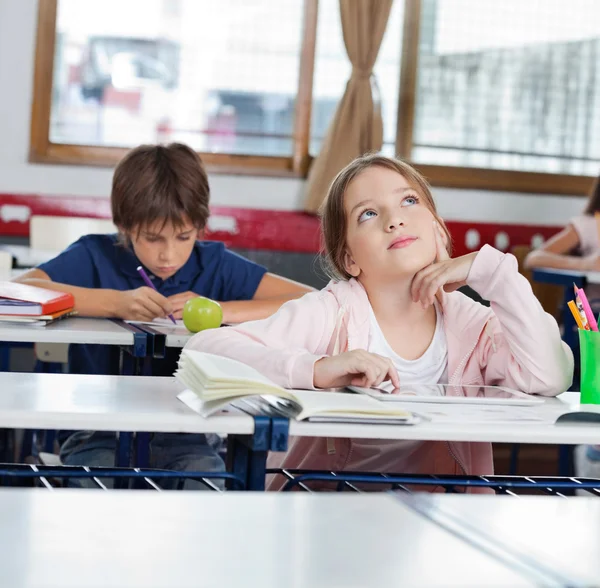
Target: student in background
x: 577, y: 247
x: 160, y: 204
x: 392, y: 316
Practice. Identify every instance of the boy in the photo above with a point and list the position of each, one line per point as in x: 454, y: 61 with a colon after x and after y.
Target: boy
x: 160, y: 204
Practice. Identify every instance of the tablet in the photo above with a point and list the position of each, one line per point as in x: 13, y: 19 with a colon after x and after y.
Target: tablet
x: 446, y: 394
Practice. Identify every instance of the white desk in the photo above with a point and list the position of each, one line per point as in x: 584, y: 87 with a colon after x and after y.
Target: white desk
x: 564, y: 277
x: 463, y: 429
x: 69, y: 330
x: 106, y: 403
x: 563, y: 535
x: 175, y: 336
x: 76, y: 539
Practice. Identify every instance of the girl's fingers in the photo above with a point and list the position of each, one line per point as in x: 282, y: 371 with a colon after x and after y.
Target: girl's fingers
x: 370, y: 370
x: 429, y: 285
x: 433, y: 286
x: 421, y: 277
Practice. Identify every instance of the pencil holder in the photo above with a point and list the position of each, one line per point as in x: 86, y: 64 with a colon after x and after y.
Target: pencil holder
x: 589, y: 348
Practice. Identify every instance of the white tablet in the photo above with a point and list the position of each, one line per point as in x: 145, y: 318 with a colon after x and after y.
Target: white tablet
x: 443, y: 393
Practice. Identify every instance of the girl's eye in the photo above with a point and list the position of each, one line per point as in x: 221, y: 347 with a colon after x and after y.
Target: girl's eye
x: 184, y: 238
x: 410, y: 201
x: 366, y: 215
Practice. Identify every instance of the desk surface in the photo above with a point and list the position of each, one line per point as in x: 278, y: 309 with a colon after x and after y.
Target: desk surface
x: 106, y: 403
x: 85, y: 539
x: 541, y: 274
x: 462, y: 425
x: 175, y: 335
x: 564, y: 535
x: 69, y: 330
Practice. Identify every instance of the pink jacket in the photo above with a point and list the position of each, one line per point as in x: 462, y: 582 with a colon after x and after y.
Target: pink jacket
x: 514, y: 343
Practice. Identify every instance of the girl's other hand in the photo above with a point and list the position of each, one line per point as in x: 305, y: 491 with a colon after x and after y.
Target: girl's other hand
x: 356, y: 368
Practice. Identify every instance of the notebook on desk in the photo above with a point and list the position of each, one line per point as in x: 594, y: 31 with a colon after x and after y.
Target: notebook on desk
x: 213, y: 382
x: 37, y: 321
x: 30, y: 301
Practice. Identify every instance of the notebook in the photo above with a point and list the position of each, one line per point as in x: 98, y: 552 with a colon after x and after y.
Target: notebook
x: 217, y: 381
x: 25, y: 300
x: 35, y: 320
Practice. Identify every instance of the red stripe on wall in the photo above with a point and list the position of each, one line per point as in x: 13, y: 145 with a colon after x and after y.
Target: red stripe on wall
x: 249, y: 228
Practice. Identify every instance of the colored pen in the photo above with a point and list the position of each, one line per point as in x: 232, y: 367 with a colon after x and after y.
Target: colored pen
x: 582, y: 303
x: 575, y: 312
x: 149, y: 283
x: 581, y: 313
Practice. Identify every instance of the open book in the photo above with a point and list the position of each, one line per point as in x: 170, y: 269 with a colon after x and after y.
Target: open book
x: 218, y: 381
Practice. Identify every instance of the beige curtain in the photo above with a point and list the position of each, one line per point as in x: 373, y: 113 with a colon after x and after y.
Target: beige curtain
x: 357, y: 126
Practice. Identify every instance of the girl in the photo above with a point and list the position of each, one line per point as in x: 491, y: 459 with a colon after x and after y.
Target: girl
x: 576, y: 247
x: 581, y: 236
x: 392, y: 315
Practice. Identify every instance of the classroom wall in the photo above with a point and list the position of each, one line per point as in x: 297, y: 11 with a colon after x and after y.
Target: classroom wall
x: 17, y: 176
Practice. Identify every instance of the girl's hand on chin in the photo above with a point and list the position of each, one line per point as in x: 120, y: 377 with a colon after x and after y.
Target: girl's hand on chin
x: 444, y: 272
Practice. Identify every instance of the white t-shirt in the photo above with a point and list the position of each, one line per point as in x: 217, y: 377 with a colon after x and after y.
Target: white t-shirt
x: 430, y: 368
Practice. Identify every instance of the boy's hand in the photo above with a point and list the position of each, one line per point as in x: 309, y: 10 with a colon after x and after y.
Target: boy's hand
x: 142, y: 304
x: 359, y: 368
x: 178, y: 301
x: 444, y: 272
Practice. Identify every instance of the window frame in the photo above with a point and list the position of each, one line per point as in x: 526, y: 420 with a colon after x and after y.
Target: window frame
x: 464, y: 177
x: 42, y: 150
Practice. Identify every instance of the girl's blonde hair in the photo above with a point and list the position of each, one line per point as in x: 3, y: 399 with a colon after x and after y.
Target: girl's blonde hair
x: 333, y: 216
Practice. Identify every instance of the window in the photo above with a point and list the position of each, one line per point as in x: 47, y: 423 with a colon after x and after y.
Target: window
x: 476, y: 93
x: 222, y: 76
x: 332, y: 70
x: 510, y: 85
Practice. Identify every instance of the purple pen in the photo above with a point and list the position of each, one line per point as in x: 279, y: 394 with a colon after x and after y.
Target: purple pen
x: 149, y: 283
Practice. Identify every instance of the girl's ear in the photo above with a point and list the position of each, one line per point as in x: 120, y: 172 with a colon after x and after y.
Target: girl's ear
x: 200, y: 234
x: 350, y: 265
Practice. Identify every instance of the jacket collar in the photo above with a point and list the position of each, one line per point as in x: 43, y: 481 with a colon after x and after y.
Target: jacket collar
x: 464, y: 319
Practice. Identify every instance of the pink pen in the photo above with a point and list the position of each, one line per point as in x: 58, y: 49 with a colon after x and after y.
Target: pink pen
x: 587, y: 309
x: 149, y: 283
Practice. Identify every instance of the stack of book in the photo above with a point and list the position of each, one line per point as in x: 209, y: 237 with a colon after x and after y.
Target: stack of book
x: 21, y: 303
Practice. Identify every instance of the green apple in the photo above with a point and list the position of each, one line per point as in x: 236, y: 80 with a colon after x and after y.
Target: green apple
x: 202, y: 313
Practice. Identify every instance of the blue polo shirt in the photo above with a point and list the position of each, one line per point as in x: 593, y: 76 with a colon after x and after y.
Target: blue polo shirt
x: 100, y: 261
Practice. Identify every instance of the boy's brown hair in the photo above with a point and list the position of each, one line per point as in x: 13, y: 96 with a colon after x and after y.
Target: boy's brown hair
x: 164, y: 183
x: 333, y: 216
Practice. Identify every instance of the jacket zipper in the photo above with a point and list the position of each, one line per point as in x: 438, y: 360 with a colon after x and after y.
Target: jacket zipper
x: 452, y: 378
x: 330, y: 442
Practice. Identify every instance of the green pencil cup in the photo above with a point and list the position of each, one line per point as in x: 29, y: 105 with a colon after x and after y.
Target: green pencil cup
x: 589, y: 348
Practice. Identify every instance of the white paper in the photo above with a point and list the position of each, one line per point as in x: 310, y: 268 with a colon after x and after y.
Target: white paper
x: 162, y: 322
x: 476, y: 413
